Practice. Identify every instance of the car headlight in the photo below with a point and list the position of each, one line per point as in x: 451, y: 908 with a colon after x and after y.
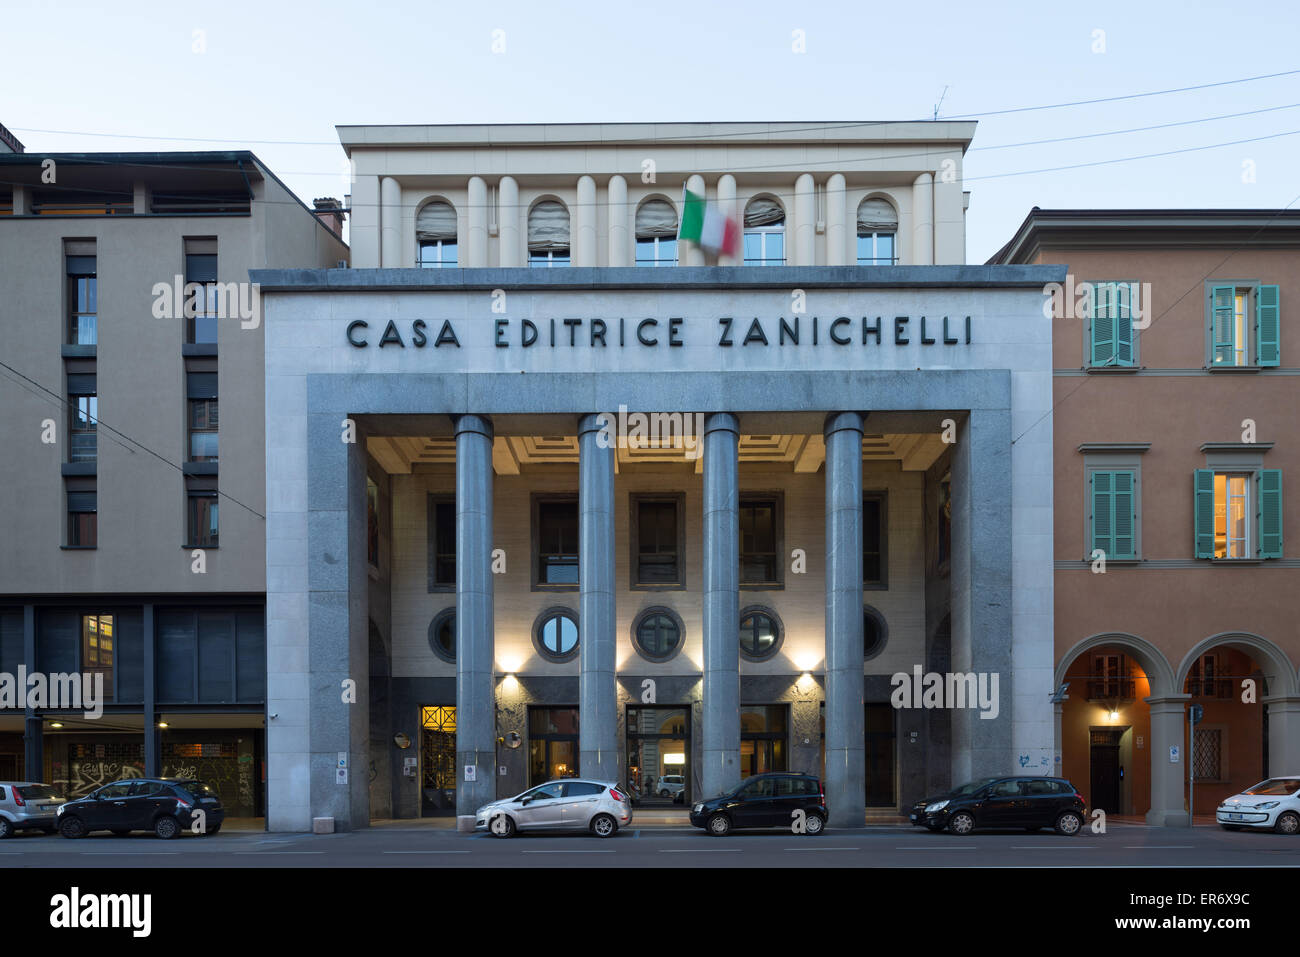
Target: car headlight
x: 937, y: 806
x: 1266, y: 805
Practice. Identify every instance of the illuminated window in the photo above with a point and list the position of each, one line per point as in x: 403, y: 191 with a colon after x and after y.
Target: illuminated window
x: 97, y: 649
x: 1231, y: 516
x: 555, y: 634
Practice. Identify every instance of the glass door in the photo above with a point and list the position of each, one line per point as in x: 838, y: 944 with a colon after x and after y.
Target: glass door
x: 437, y: 761
x: 552, y: 744
x: 659, y: 756
x: 762, y: 739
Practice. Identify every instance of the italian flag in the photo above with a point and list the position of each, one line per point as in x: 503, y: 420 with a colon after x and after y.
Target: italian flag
x: 704, y: 224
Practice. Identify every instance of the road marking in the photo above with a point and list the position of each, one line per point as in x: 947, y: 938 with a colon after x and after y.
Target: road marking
x: 274, y: 853
x: 1160, y: 847
x: 700, y: 850
x: 426, y: 852
x: 819, y: 848
x: 1053, y: 847
x: 568, y: 852
x: 114, y: 853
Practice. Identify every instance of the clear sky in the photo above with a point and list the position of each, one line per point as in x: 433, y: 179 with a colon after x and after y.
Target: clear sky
x: 269, y: 76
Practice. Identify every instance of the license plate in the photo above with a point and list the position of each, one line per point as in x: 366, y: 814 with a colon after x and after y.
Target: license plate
x: 915, y: 816
x: 1235, y: 817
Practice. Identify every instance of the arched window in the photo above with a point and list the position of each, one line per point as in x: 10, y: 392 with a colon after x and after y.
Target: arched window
x: 656, y: 233
x: 548, y: 234
x: 877, y: 233
x: 764, y: 233
x: 657, y: 633
x: 435, y: 234
x: 760, y: 633
x: 555, y: 634
x: 442, y: 635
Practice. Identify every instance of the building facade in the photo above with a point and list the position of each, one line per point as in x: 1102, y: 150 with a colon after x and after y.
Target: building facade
x: 133, y: 524
x: 1175, y: 429
x: 537, y: 507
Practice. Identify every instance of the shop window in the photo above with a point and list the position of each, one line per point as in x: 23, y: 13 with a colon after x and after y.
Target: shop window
x: 1243, y: 325
x: 1238, y: 514
x: 658, y: 529
x: 555, y: 634
x: 441, y: 540
x: 760, y: 633
x: 657, y: 634
x: 555, y: 541
x: 552, y: 744
x: 659, y: 755
x: 763, y: 739
x: 442, y: 635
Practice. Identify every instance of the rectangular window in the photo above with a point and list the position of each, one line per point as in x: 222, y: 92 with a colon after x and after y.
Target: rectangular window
x: 442, y: 543
x: 83, y: 417
x: 876, y: 249
x: 760, y: 530
x: 765, y: 247
x: 658, y: 530
x: 555, y: 541
x: 97, y: 651
x: 548, y: 258
x: 1207, y: 756
x: 83, y: 300
x: 1113, y: 513
x: 201, y: 310
x: 202, y: 519
x: 1238, y: 514
x: 83, y: 519
x: 656, y: 251
x: 875, y: 541
x: 438, y: 254
x: 201, y: 392
x: 1243, y: 325
x: 1112, y: 336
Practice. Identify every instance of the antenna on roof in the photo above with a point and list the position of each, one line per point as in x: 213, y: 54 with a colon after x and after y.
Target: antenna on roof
x: 940, y: 103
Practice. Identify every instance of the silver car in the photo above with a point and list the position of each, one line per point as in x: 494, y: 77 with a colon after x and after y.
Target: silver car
x: 569, y: 804
x: 28, y: 806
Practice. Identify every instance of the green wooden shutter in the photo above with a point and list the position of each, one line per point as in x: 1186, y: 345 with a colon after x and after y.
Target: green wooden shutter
x: 1204, y: 513
x: 1122, y: 300
x: 1222, y: 310
x: 1268, y: 493
x: 1101, y: 494
x: 1103, y: 325
x: 1268, y: 326
x: 1123, y: 519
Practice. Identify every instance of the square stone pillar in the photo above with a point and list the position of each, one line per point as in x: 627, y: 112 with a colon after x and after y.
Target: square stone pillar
x: 1168, y: 778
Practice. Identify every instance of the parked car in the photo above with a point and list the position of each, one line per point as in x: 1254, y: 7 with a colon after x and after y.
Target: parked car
x: 27, y: 806
x: 165, y: 806
x: 765, y: 800
x: 1028, y: 802
x: 1274, y: 803
x: 671, y: 786
x: 569, y: 804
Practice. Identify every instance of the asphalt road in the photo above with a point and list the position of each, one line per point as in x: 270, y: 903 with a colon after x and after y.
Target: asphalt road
x: 1122, y: 846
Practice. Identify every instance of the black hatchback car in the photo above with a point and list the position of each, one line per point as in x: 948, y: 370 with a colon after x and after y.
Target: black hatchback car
x: 165, y: 806
x: 765, y: 800
x: 1028, y: 802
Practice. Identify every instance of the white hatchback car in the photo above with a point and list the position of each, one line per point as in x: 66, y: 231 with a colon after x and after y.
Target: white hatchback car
x: 569, y: 804
x: 1274, y: 803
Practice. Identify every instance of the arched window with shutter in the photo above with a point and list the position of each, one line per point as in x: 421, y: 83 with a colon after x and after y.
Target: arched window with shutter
x: 877, y: 233
x: 548, y: 234
x: 764, y: 232
x: 435, y: 235
x: 656, y: 233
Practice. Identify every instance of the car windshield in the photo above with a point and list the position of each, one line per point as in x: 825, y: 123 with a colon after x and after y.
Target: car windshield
x: 37, y: 792
x: 1275, y: 786
x: 974, y: 786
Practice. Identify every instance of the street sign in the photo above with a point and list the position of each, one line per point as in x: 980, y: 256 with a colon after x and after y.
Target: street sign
x: 1195, y: 714
x: 1173, y: 754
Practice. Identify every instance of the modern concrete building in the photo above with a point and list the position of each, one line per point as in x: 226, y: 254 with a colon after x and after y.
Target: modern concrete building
x: 132, y: 523
x: 833, y: 465
x: 1175, y: 390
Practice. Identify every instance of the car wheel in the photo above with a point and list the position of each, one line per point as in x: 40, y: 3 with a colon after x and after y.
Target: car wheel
x: 1069, y: 823
x: 814, y: 824
x: 719, y: 825
x: 72, y: 827
x: 505, y: 827
x: 166, y: 827
x: 1287, y: 823
x: 6, y: 828
x: 963, y: 822
x: 602, y: 825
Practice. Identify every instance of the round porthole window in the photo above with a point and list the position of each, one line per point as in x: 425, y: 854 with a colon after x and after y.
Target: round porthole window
x: 760, y: 633
x: 657, y: 633
x: 442, y: 635
x: 874, y: 632
x: 555, y: 634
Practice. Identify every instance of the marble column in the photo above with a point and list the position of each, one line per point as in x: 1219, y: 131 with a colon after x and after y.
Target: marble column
x: 390, y: 224
x: 727, y: 205
x: 475, y: 653
x: 845, y: 758
x: 720, y: 762
x: 923, y: 221
x: 476, y: 248
x: 690, y: 254
x: 805, y: 221
x: 836, y: 211
x: 510, y: 250
x: 597, y: 694
x: 620, y: 245
x: 584, y: 223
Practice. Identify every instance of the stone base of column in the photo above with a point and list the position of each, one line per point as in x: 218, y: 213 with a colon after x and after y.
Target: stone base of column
x: 1171, y: 817
x: 465, y: 823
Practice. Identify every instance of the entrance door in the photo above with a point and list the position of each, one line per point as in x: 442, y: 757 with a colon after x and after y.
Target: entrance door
x: 659, y: 755
x: 437, y: 761
x: 762, y: 739
x: 552, y: 744
x: 1104, y: 774
x: 881, y: 754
